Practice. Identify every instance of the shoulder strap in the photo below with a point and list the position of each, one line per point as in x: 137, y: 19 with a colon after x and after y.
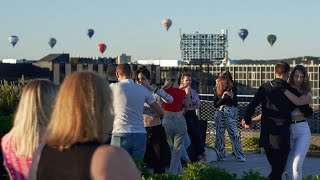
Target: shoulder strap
x: 35, y: 162
x: 271, y: 84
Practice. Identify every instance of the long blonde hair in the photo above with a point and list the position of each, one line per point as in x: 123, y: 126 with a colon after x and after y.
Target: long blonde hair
x: 83, y: 111
x: 32, y: 116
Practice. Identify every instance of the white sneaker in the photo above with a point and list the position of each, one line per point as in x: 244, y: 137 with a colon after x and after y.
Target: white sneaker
x: 241, y: 159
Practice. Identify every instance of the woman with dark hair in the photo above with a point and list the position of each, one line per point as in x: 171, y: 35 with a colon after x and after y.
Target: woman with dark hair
x: 225, y: 98
x: 300, y: 134
x: 196, y: 152
x: 157, y: 155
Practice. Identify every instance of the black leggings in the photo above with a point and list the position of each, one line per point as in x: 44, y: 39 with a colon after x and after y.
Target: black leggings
x: 277, y: 159
x: 197, y: 143
x: 158, y: 154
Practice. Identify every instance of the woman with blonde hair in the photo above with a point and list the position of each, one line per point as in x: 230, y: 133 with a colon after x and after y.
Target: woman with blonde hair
x: 82, y: 117
x: 173, y: 121
x: 30, y: 122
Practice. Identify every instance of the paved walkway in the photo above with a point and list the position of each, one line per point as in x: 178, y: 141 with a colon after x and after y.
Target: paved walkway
x: 259, y: 162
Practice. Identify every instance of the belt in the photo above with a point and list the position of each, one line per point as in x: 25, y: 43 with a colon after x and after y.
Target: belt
x: 168, y: 113
x: 295, y: 122
x: 298, y: 117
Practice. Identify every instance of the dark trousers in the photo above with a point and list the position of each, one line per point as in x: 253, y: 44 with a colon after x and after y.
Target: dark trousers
x: 196, y: 147
x: 277, y: 159
x: 203, y: 131
x: 158, y: 154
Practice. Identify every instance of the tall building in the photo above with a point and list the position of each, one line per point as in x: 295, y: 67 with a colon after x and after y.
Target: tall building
x: 123, y: 58
x: 198, y: 49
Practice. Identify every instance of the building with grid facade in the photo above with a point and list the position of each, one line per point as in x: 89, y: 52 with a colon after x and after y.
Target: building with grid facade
x: 248, y: 78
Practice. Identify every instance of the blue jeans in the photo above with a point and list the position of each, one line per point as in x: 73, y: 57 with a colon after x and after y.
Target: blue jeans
x: 134, y: 143
x: 176, y: 129
x: 186, y: 144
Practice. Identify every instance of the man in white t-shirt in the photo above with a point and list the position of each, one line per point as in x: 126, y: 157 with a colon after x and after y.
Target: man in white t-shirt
x: 129, y: 98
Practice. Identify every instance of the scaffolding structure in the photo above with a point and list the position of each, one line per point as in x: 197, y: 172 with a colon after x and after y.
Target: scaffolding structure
x: 199, y: 49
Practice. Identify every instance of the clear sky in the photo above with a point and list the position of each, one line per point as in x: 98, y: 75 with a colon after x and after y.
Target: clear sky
x: 134, y: 27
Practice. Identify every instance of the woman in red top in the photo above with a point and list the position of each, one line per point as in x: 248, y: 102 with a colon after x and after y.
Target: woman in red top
x: 173, y: 121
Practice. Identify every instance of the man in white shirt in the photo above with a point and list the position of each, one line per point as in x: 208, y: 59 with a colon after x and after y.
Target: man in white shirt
x: 129, y: 98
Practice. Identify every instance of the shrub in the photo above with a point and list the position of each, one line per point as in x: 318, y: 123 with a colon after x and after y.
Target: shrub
x: 9, y: 96
x: 164, y: 177
x: 6, y: 123
x: 310, y: 178
x: 142, y: 167
x: 198, y: 171
x: 251, y: 175
x: 314, y: 147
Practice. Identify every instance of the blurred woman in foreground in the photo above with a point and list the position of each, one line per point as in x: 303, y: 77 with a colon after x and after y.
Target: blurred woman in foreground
x: 30, y: 122
x: 82, y: 116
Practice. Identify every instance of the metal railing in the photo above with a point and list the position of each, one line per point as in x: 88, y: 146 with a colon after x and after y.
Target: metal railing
x: 249, y: 137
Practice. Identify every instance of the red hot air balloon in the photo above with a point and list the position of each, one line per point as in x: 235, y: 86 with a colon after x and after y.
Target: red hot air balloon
x: 102, y: 47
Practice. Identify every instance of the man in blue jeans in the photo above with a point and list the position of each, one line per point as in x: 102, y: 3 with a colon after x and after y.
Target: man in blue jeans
x: 129, y: 98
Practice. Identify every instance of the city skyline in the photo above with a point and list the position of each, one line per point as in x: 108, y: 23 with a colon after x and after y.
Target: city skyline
x: 134, y: 28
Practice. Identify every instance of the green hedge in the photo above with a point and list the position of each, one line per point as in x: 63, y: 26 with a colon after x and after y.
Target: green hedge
x: 6, y: 123
x: 199, y: 171
x: 9, y: 96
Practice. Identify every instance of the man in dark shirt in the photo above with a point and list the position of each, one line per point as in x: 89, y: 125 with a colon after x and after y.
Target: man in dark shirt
x: 275, y: 120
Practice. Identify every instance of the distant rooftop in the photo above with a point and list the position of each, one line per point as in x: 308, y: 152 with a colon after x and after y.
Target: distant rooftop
x: 59, y: 58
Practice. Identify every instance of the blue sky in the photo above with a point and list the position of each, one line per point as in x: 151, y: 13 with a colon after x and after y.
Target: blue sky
x: 134, y: 27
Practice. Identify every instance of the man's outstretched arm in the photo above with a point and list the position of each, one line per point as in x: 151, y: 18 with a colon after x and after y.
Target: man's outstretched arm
x: 257, y: 99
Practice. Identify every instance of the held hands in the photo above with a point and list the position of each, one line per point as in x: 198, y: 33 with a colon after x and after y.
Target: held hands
x: 243, y: 123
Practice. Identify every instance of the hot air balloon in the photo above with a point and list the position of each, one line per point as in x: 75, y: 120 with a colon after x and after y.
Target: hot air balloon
x: 102, y: 47
x: 52, y: 42
x: 90, y: 33
x: 243, y: 33
x: 166, y: 23
x: 272, y: 39
x: 13, y: 40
